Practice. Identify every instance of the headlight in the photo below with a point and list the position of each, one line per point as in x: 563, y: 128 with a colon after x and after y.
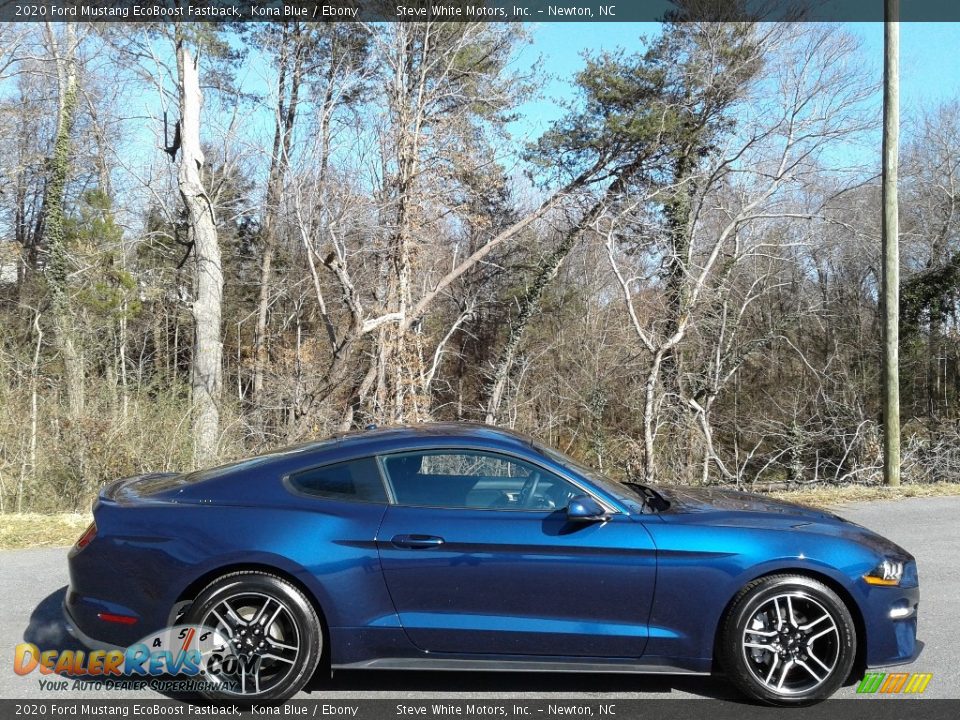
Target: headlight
x: 889, y: 572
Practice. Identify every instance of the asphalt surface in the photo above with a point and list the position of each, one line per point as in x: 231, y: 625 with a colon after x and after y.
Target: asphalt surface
x: 34, y: 583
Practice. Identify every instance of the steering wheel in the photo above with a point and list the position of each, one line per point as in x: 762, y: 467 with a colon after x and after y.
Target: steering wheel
x: 528, y: 489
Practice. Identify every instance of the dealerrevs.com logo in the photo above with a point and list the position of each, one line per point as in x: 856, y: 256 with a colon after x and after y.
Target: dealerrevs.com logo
x: 181, y: 652
x: 893, y: 683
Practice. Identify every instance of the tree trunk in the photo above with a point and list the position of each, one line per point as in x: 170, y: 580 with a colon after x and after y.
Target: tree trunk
x: 890, y: 241
x: 548, y: 270
x: 678, y: 211
x: 263, y: 305
x: 934, y: 352
x: 279, y: 162
x: 53, y: 219
x: 649, y: 413
x: 546, y: 273
x: 401, y: 397
x: 207, y: 365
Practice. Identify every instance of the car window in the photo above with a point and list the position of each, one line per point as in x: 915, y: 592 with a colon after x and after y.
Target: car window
x: 357, y: 480
x: 614, y: 488
x: 474, y: 479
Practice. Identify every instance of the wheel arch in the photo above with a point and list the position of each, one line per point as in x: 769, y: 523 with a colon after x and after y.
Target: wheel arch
x: 860, y: 657
x: 190, y: 592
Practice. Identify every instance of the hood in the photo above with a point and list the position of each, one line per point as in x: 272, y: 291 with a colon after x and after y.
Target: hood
x: 713, y: 506
x: 702, y: 500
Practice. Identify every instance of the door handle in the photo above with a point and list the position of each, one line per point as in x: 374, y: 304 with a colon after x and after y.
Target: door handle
x: 417, y: 542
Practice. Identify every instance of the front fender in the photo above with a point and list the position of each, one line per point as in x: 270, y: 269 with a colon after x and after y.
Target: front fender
x: 701, y: 569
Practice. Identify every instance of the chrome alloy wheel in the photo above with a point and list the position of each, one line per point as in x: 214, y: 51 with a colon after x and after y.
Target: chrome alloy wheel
x: 262, y: 643
x: 791, y: 643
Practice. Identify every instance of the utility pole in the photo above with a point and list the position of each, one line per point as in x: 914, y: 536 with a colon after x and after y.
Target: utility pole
x: 891, y: 245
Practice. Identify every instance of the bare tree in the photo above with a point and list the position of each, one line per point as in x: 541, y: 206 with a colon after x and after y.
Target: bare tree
x: 63, y: 51
x: 291, y: 56
x: 440, y: 81
x: 207, y: 362
x: 811, y: 100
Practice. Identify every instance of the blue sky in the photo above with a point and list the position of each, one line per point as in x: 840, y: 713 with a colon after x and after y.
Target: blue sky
x: 561, y: 47
x: 930, y: 69
x: 929, y: 62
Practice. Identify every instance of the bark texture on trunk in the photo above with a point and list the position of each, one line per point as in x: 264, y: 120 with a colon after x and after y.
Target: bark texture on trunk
x: 891, y: 245
x: 291, y: 60
x: 53, y: 219
x: 529, y: 305
x: 207, y: 362
x: 546, y: 272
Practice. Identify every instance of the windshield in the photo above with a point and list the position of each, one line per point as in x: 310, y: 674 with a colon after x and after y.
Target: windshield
x: 614, y: 488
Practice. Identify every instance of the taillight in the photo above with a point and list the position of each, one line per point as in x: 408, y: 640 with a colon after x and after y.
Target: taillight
x: 88, y: 535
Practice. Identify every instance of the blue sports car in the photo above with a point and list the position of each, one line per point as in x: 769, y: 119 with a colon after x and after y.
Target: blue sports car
x: 455, y: 546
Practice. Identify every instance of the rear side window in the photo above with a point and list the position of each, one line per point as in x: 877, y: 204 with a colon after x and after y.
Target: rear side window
x: 357, y: 480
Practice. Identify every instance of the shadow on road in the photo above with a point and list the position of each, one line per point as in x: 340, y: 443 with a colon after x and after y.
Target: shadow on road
x: 47, y: 630
x: 520, y: 682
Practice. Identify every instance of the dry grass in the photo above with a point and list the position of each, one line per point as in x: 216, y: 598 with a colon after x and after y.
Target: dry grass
x: 29, y: 530
x: 826, y: 496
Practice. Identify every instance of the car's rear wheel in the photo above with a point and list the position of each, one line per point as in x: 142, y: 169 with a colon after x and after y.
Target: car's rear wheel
x: 787, y: 640
x: 273, y: 636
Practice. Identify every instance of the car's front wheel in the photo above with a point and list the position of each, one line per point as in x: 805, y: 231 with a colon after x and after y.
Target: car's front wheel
x: 271, y: 636
x: 787, y: 640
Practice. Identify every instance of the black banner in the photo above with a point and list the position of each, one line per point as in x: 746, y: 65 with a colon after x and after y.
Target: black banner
x: 468, y: 10
x: 874, y: 708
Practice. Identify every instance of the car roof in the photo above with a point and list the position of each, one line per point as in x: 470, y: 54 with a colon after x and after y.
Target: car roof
x: 397, y: 437
x: 242, y: 483
x: 372, y: 441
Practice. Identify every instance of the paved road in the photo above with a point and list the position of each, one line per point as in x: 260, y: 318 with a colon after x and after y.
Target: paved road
x: 34, y: 583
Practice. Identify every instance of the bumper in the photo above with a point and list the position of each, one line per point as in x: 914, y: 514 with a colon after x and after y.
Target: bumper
x: 918, y: 648
x: 890, y: 617
x: 73, y: 627
x: 104, y: 584
x: 82, y: 617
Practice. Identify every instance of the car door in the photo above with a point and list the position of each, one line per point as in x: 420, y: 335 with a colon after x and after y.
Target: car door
x: 479, y: 557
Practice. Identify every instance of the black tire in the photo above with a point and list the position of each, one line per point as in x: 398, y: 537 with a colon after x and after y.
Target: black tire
x: 767, y: 634
x: 296, y: 625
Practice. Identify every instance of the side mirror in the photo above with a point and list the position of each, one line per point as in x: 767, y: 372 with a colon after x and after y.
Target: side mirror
x: 584, y: 508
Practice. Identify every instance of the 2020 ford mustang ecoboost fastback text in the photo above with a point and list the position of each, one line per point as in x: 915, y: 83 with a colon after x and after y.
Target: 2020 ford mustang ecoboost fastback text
x: 454, y: 546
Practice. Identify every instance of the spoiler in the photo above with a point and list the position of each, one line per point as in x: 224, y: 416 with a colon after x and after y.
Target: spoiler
x: 139, y: 487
